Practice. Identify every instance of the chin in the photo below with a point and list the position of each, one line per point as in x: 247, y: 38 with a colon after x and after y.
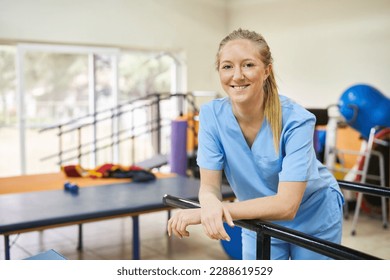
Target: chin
x: 238, y: 98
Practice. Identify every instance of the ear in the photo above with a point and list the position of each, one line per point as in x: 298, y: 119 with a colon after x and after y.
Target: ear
x: 268, y: 70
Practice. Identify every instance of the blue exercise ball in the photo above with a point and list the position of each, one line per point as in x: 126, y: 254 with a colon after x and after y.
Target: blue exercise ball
x: 364, y: 107
x: 233, y: 248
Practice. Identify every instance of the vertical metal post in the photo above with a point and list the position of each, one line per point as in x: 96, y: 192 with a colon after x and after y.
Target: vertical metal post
x: 132, y: 131
x: 136, y: 241
x: 79, y: 145
x: 60, y: 145
x: 263, y: 245
x: 115, y: 96
x: 158, y: 134
x: 95, y: 157
x: 80, y: 241
x: 92, y: 103
x: 6, y: 247
x: 113, y: 136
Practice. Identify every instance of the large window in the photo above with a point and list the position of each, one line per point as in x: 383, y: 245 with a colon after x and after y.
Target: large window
x: 9, y: 149
x: 44, y: 85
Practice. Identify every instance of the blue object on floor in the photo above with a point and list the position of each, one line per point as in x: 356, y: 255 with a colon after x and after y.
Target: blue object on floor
x: 48, y: 255
x: 233, y: 247
x: 73, y: 188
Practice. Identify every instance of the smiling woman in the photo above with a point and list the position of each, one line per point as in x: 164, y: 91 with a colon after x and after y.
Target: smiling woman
x: 263, y: 142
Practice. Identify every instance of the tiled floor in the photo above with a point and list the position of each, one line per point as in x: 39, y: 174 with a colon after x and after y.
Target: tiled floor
x: 112, y: 239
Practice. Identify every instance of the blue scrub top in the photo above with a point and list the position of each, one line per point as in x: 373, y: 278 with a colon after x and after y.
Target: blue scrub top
x: 255, y: 171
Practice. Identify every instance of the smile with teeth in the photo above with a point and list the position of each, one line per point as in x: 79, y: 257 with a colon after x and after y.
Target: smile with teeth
x: 240, y: 87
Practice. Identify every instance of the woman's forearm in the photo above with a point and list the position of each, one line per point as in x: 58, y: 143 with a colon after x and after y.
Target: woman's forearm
x: 266, y: 208
x: 208, y: 194
x: 281, y: 206
x: 210, y: 186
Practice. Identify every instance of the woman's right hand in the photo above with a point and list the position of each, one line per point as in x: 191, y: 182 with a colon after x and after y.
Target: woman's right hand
x: 178, y: 223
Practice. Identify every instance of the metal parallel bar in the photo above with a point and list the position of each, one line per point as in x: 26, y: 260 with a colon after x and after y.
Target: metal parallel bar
x: 136, y: 241
x: 323, y: 247
x: 103, y: 119
x: 75, y: 120
x: 364, y: 188
x: 99, y: 148
x: 91, y: 115
x: 326, y: 248
x: 108, y: 137
x: 109, y: 145
x: 92, y: 119
x: 118, y: 113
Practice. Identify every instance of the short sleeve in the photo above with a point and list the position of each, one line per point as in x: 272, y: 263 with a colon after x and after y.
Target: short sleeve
x: 299, y: 162
x: 210, y: 152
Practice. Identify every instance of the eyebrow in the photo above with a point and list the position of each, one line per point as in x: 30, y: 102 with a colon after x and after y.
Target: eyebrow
x: 245, y: 60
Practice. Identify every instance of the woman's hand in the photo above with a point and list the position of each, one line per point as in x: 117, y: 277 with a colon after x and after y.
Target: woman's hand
x: 178, y: 223
x: 213, y: 212
x: 212, y: 217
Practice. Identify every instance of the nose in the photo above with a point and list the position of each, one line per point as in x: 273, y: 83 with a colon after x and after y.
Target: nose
x: 238, y: 74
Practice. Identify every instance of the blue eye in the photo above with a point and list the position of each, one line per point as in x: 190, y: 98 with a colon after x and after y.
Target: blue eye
x: 249, y: 65
x: 226, y: 67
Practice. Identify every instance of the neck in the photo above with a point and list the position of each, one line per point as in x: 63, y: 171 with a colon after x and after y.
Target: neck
x: 248, y: 113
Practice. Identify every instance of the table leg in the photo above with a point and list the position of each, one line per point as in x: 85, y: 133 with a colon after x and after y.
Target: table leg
x: 6, y: 247
x: 136, y: 241
x: 80, y: 241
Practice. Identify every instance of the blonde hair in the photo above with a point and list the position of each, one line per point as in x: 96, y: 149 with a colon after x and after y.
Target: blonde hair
x: 272, y: 108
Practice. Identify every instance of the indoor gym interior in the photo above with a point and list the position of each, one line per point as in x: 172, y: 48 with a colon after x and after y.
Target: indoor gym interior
x: 80, y: 82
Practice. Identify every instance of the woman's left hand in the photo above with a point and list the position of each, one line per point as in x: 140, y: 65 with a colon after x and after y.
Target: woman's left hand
x: 178, y: 223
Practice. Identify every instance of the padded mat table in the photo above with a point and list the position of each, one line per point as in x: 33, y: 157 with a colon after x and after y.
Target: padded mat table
x: 31, y: 211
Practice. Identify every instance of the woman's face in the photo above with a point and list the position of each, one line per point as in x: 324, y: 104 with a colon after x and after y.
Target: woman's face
x: 241, y: 71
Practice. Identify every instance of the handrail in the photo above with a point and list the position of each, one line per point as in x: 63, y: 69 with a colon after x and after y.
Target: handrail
x: 119, y: 134
x: 265, y: 230
x: 365, y: 188
x: 91, y: 115
x: 127, y: 103
x: 83, y: 147
x: 100, y: 147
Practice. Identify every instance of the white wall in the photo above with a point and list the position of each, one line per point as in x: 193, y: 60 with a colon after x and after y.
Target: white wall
x: 191, y: 26
x: 321, y: 47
